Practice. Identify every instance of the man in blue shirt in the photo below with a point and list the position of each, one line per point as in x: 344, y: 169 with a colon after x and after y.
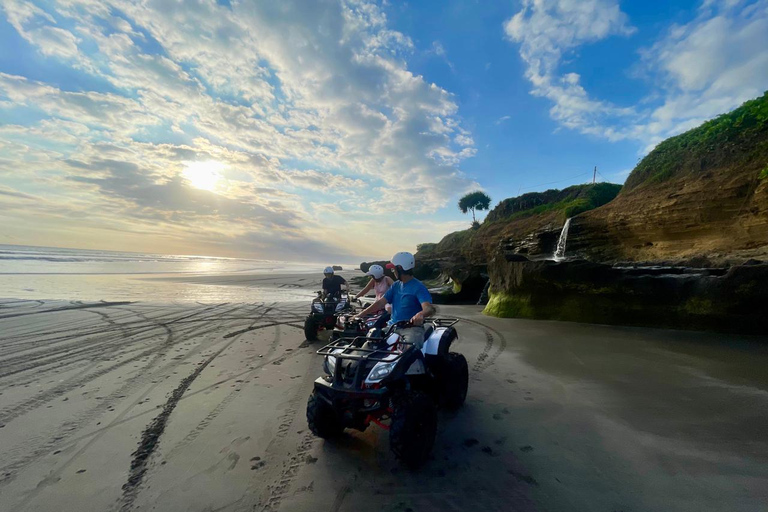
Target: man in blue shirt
x: 410, y: 300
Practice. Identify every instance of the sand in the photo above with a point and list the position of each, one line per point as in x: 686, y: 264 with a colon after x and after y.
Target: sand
x: 201, y: 407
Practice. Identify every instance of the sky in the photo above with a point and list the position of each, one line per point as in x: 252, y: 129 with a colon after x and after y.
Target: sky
x: 339, y: 129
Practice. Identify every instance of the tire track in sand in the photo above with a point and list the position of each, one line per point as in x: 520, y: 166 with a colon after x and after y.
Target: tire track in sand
x: 151, y: 435
x: 158, y: 351
x: 44, y: 444
x: 219, y: 408
x: 486, y: 358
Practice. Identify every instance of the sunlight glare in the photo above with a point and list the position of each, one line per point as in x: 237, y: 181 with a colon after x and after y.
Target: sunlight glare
x: 204, y: 175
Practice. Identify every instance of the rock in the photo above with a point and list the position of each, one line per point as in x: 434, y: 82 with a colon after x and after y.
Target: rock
x: 515, y: 257
x: 731, y: 300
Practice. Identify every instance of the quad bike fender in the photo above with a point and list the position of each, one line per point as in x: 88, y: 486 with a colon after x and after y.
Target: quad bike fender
x: 412, y: 359
x: 438, y: 342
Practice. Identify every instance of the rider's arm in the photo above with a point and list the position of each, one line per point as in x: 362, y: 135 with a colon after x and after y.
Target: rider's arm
x: 374, y: 307
x: 365, y: 290
x: 385, y: 299
x: 427, y: 309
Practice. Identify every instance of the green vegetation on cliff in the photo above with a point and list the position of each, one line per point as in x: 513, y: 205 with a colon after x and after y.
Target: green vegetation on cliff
x: 571, y: 201
x: 739, y: 135
x: 517, y: 215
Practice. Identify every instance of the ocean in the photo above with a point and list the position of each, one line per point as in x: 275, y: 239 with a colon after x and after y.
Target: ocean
x: 40, y: 273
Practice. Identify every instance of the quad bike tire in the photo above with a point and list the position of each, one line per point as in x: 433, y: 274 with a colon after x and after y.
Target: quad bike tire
x: 455, y: 380
x: 321, y: 418
x: 413, y: 428
x: 310, y: 329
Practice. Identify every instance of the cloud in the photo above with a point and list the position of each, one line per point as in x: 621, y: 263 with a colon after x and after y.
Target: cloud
x: 546, y: 31
x: 502, y: 119
x: 439, y: 50
x: 707, y: 66
x: 293, y: 113
x: 697, y: 70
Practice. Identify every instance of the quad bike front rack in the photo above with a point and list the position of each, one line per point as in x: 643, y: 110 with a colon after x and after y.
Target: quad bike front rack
x: 363, y: 354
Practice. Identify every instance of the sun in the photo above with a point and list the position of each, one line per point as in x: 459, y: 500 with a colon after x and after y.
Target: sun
x: 204, y: 175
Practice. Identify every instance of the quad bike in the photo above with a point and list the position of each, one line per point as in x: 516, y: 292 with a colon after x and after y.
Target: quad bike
x: 372, y: 380
x: 352, y: 327
x: 324, y: 313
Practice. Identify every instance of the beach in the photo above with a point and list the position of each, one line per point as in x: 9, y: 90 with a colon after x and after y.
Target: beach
x: 139, y: 405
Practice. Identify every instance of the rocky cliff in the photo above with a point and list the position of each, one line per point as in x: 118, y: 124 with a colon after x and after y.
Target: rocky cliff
x: 678, y: 246
x: 532, y: 221
x: 529, y: 224
x: 700, y: 197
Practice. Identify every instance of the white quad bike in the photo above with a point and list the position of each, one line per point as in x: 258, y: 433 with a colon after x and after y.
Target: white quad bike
x: 373, y: 379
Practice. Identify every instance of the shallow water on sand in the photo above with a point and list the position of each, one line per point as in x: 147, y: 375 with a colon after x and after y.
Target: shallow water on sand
x: 77, y: 274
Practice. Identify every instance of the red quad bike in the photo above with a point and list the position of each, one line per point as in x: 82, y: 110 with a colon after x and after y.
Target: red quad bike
x: 391, y: 383
x: 324, y: 313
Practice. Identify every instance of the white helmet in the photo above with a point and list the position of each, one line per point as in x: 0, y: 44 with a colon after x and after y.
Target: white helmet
x: 375, y: 271
x: 405, y: 260
x: 328, y: 270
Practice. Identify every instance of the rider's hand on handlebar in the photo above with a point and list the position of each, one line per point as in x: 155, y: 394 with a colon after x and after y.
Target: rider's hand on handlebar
x: 418, y: 319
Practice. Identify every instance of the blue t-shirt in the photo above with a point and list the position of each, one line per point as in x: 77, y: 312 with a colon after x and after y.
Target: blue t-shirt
x: 406, y: 299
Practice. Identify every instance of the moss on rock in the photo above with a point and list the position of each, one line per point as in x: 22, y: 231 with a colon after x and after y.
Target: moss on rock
x: 504, y: 305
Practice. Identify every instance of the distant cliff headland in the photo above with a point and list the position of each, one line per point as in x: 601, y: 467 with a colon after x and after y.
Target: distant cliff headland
x: 682, y: 244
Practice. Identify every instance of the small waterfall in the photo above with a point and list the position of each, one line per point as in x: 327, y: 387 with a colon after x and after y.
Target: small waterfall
x: 560, y: 251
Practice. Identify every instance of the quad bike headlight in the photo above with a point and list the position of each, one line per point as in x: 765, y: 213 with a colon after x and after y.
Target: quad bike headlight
x: 380, y: 371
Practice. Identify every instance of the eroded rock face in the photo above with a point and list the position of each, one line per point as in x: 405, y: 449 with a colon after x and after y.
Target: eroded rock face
x: 703, y: 193
x: 538, y: 244
x: 732, y: 300
x: 720, y: 216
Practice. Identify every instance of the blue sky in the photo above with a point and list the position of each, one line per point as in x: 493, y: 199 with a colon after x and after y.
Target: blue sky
x: 344, y: 128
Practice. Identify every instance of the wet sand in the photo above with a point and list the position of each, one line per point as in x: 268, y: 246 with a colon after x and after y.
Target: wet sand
x: 175, y: 407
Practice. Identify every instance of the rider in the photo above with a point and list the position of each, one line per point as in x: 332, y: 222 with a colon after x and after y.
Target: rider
x: 410, y: 300
x: 379, y: 282
x: 332, y: 283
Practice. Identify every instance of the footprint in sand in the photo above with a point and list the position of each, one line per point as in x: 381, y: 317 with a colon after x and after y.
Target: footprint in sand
x: 526, y: 448
x: 470, y: 442
x: 523, y: 477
